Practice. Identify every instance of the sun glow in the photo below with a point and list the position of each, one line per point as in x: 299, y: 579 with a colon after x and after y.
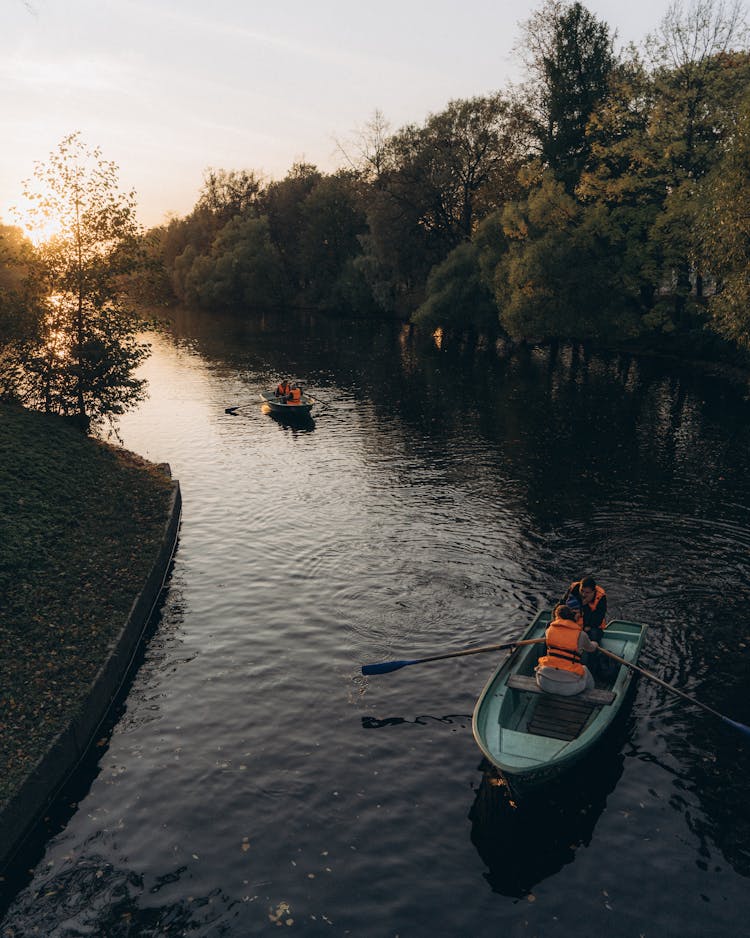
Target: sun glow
x: 39, y: 230
x: 35, y: 220
x: 56, y: 341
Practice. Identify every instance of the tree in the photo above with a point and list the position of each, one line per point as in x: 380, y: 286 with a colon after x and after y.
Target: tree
x: 281, y: 203
x: 441, y: 179
x: 17, y: 285
x: 226, y: 193
x: 569, y: 55
x: 562, y: 275
x: 456, y: 295
x: 331, y: 225
x: 458, y: 167
x: 460, y: 292
x: 725, y: 229
x: 241, y: 270
x: 367, y: 153
x: 625, y: 176
x: 698, y: 78
x: 20, y: 308
x: 85, y: 363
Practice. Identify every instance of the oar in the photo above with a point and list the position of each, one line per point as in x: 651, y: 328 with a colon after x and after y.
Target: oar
x: 738, y: 726
x: 385, y: 667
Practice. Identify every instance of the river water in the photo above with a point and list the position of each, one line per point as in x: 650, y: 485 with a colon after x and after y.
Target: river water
x: 252, y: 779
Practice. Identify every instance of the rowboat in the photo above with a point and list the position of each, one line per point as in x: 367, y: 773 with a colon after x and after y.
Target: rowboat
x: 280, y: 407
x: 531, y: 737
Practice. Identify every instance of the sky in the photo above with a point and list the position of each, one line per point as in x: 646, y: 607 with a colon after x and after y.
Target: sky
x: 168, y: 88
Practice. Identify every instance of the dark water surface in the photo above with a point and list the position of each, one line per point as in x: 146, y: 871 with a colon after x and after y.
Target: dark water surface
x: 255, y: 781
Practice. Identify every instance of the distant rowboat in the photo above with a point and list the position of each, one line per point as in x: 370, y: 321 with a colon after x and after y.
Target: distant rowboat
x: 280, y: 407
x: 532, y: 737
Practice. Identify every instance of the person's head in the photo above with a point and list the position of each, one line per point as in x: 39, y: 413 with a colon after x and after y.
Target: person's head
x: 588, y: 588
x: 563, y: 611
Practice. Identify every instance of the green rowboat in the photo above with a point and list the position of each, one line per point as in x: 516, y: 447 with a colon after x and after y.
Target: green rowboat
x: 280, y: 407
x: 531, y: 737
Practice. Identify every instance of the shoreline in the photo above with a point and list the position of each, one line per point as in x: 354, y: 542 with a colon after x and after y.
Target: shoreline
x: 24, y: 807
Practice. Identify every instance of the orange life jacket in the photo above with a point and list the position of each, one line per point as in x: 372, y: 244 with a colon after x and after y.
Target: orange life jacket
x: 562, y: 646
x: 295, y: 396
x: 283, y: 389
x: 599, y: 594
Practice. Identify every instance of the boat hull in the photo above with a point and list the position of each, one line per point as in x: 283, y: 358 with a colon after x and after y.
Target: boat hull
x: 281, y: 408
x: 531, y: 738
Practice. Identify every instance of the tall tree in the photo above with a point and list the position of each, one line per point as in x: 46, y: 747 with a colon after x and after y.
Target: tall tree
x: 724, y: 223
x: 625, y: 175
x: 226, y: 193
x: 569, y: 56
x: 240, y: 271
x: 367, y: 153
x: 332, y: 223
x: 698, y: 78
x: 281, y: 203
x: 90, y: 348
x: 561, y: 276
x: 441, y: 180
x: 459, y: 166
x: 17, y: 280
x: 20, y: 308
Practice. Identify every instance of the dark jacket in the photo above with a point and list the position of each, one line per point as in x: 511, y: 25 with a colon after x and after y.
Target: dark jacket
x: 594, y: 614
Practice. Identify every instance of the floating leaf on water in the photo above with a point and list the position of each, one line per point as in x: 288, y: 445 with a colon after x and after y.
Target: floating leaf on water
x: 276, y: 915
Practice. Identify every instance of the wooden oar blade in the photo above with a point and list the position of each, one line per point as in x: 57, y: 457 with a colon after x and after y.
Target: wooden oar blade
x: 738, y: 726
x: 385, y: 667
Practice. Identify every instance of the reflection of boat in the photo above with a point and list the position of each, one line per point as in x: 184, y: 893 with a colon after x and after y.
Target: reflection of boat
x: 532, y: 737
x: 281, y: 408
x: 523, y: 844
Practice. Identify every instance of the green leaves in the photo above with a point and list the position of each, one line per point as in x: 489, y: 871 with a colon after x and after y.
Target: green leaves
x: 84, y: 359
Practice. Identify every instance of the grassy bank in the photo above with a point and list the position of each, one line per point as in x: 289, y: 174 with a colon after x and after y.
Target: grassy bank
x: 80, y: 524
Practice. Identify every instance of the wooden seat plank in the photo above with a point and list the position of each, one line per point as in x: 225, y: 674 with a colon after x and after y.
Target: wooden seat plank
x: 528, y: 684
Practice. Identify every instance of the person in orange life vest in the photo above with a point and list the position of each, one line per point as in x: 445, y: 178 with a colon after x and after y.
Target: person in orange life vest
x: 283, y: 388
x: 295, y: 396
x: 561, y: 670
x: 590, y: 598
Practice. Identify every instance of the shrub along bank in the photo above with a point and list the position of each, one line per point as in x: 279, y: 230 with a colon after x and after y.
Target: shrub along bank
x: 80, y: 526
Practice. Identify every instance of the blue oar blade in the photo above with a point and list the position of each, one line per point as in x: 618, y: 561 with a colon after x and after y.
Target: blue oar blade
x: 385, y: 666
x: 738, y: 726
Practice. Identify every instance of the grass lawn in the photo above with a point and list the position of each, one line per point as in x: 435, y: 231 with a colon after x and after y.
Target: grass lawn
x: 80, y: 526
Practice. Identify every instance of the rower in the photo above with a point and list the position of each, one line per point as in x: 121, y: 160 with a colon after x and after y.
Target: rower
x: 561, y: 670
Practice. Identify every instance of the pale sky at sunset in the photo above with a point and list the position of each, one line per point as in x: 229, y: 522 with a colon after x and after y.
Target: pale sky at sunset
x: 170, y: 87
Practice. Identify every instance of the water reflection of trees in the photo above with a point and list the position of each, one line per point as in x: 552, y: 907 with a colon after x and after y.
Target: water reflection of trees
x: 573, y: 426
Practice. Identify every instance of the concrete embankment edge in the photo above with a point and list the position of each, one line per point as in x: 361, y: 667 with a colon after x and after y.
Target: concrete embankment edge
x: 24, y: 809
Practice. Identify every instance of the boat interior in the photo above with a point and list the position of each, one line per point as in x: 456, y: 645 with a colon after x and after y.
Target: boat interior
x: 529, y: 710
